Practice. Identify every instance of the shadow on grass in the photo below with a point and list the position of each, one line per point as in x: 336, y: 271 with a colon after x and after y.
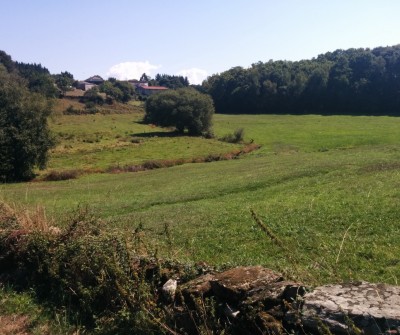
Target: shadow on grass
x: 159, y: 134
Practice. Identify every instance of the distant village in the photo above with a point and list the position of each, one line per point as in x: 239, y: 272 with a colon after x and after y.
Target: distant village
x: 142, y: 87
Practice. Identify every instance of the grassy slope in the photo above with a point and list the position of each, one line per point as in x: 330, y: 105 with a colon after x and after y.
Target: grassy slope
x: 93, y: 142
x: 315, y: 180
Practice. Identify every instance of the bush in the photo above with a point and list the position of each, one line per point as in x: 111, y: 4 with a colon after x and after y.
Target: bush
x: 71, y: 110
x: 236, y: 137
x: 93, y: 272
x: 184, y: 109
x: 92, y: 97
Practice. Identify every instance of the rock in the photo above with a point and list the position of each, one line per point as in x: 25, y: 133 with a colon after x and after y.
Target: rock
x: 234, y: 284
x: 276, y: 298
x: 275, y: 293
x: 169, y: 288
x: 372, y: 308
x: 198, y: 287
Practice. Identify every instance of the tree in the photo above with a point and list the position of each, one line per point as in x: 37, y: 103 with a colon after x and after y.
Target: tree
x: 169, y: 81
x: 144, y: 77
x: 7, y: 61
x: 39, y: 79
x: 24, y: 135
x: 117, y: 90
x: 64, y: 81
x: 184, y: 109
x: 353, y: 81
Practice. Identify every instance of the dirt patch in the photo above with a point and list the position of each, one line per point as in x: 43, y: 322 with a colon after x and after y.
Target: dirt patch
x: 14, y: 325
x: 380, y: 167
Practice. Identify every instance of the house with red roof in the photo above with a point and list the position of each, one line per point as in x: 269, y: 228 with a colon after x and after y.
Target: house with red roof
x: 149, y: 90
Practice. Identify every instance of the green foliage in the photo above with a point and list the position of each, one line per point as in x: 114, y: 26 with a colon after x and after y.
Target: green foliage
x: 117, y: 90
x: 64, y: 81
x: 92, y: 98
x: 21, y: 312
x: 71, y: 110
x: 92, y: 272
x: 236, y: 137
x: 182, y: 109
x: 172, y: 82
x: 39, y: 79
x: 24, y: 135
x: 353, y: 81
x: 7, y: 61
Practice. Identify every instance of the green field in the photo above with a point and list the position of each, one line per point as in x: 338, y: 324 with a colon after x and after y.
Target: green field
x: 97, y: 142
x: 327, y: 187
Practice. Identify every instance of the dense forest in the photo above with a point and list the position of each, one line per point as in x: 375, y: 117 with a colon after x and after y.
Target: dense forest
x: 353, y: 81
x: 170, y: 81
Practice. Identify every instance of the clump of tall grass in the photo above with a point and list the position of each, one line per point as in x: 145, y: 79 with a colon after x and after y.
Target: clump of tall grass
x: 25, y: 220
x: 236, y: 137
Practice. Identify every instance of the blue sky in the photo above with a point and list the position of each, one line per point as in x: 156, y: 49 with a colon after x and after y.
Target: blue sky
x: 124, y: 38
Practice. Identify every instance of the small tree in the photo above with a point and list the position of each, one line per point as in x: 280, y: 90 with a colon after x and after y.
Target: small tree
x: 92, y: 97
x: 184, y: 109
x: 24, y: 135
x: 118, y: 90
x: 64, y: 81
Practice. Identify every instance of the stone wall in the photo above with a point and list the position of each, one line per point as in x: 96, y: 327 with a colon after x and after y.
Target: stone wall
x: 257, y: 300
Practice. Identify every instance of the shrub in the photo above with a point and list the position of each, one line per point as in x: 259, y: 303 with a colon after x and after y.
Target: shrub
x: 92, y: 96
x: 236, y: 137
x: 92, y: 271
x: 71, y: 110
x: 184, y: 109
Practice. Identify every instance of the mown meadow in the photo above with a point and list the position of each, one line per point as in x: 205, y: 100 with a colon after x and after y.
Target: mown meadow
x: 318, y: 201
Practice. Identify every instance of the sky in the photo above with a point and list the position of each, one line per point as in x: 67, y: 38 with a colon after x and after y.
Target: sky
x: 193, y: 38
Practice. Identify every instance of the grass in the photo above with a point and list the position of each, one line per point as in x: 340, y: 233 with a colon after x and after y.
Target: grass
x: 21, y: 314
x: 96, y: 142
x: 327, y: 187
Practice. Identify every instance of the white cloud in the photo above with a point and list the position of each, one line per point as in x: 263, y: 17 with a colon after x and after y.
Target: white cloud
x: 195, y: 75
x: 131, y: 70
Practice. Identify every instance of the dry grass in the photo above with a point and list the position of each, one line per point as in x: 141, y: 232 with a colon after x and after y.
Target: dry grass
x: 21, y: 325
x: 61, y: 105
x: 26, y: 220
x: 14, y: 325
x: 61, y: 175
x: 75, y: 93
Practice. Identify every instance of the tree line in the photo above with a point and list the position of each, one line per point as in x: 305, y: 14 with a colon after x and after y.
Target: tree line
x: 353, y: 81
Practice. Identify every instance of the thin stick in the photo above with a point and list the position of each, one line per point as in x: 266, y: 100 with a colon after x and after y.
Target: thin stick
x: 341, y: 244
